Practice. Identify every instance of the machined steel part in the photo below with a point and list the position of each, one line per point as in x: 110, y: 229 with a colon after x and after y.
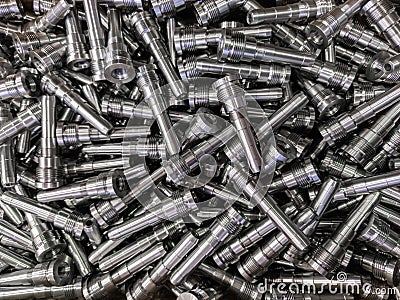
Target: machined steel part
x: 6, y: 67
x: 42, y: 6
x: 22, y: 84
x: 148, y: 83
x: 62, y: 219
x: 381, y: 266
x: 97, y: 287
x: 292, y: 38
x: 105, y: 186
x: 379, y: 234
x: 57, y: 272
x: 347, y: 122
x: 49, y: 173
x: 259, y: 260
x: 301, y: 11
x: 361, y: 92
x: 7, y: 162
x: 118, y: 64
x: 236, y: 47
x: 160, y: 233
x: 323, y: 29
x: 119, y: 107
x: 76, y: 135
x: 26, y: 119
x: 355, y: 35
x: 8, y: 29
x: 69, y: 291
x: 191, y: 39
x: 325, y: 259
x: 301, y: 173
x: 337, y: 76
x: 96, y: 40
x: 236, y: 247
x: 361, y: 148
x: 358, y: 58
x: 226, y: 224
x: 46, y: 241
x: 146, y: 30
x: 325, y: 100
x: 175, y: 208
x: 51, y: 18
x: 268, y: 73
x: 210, y: 11
x: 53, y: 85
x: 232, y: 96
x: 383, y: 17
x: 77, y: 57
x: 48, y: 57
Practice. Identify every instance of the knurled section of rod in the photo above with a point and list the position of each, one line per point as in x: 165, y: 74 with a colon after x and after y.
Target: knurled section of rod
x: 11, y: 9
x: 382, y: 16
x: 48, y: 57
x: 42, y: 6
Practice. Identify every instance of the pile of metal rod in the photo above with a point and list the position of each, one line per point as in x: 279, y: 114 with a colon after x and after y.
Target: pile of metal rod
x: 199, y: 149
